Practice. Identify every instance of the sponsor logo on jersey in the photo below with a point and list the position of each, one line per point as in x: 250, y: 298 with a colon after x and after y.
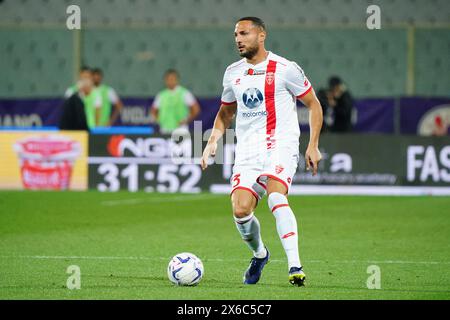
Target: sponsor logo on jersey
x: 252, y: 98
x: 270, y: 76
x: 253, y: 72
x: 253, y: 114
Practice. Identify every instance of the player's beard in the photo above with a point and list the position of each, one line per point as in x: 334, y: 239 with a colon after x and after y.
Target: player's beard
x: 250, y: 52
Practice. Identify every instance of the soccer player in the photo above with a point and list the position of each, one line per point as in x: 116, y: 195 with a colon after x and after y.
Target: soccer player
x: 84, y: 70
x: 111, y: 103
x: 261, y: 90
x: 91, y: 98
x: 175, y: 106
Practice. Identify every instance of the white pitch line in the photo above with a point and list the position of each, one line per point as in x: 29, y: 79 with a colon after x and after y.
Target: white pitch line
x: 155, y: 200
x: 353, y: 190
x: 220, y: 260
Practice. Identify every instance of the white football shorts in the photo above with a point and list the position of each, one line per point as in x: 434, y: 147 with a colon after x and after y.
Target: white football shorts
x: 253, y: 177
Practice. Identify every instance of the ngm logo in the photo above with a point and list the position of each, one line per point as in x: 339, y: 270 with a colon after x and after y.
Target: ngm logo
x: 120, y: 146
x: 252, y: 98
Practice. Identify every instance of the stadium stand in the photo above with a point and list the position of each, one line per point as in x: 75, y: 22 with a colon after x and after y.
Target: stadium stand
x: 220, y: 12
x: 136, y: 46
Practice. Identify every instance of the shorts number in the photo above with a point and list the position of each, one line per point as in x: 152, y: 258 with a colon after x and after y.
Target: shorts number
x: 237, y: 180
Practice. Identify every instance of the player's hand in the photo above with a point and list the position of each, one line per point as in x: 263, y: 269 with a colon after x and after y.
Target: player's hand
x: 312, y: 158
x: 210, y: 151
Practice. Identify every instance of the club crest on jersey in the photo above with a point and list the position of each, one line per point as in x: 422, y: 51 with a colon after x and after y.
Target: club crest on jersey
x: 252, y: 98
x: 270, y: 77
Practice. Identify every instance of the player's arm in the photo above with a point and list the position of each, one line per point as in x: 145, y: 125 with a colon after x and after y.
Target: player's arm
x: 118, y: 106
x: 223, y: 120
x: 194, y: 111
x: 154, y: 112
x: 194, y: 108
x: 312, y: 154
x: 154, y: 109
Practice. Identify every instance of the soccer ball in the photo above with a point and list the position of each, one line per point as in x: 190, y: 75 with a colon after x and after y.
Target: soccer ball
x: 185, y: 269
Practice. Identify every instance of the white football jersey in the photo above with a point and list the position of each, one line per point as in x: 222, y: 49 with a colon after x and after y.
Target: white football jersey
x: 266, y: 94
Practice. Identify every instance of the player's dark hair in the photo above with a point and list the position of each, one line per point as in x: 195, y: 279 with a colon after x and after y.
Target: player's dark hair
x: 171, y: 71
x: 256, y: 22
x: 98, y: 71
x: 85, y: 68
x: 334, y: 81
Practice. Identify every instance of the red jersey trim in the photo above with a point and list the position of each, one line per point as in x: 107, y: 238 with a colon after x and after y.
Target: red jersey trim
x: 269, y: 97
x: 304, y: 93
x: 246, y: 189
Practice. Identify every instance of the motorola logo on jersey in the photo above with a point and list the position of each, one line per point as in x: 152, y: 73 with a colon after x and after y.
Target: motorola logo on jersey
x: 253, y: 114
x: 252, y: 98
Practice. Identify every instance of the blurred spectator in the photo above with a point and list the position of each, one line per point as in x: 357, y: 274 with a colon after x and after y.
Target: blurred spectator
x: 76, y: 118
x: 74, y: 88
x: 174, y: 107
x: 323, y: 96
x: 110, y: 99
x: 340, y: 102
x: 73, y: 116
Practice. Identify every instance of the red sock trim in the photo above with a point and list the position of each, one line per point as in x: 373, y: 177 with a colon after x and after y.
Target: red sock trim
x: 287, y: 235
x: 279, y: 206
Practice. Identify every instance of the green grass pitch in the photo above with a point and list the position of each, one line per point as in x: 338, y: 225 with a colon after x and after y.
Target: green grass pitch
x: 123, y: 241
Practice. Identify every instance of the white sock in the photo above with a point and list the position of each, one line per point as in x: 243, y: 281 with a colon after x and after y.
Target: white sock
x: 286, y: 227
x: 249, y: 229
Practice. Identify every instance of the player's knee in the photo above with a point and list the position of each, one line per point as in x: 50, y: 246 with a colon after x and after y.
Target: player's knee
x: 274, y: 186
x: 243, y: 204
x: 242, y: 209
x: 276, y: 198
x: 241, y: 212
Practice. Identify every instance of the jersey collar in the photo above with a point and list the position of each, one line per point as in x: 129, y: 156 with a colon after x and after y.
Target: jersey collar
x: 254, y: 66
